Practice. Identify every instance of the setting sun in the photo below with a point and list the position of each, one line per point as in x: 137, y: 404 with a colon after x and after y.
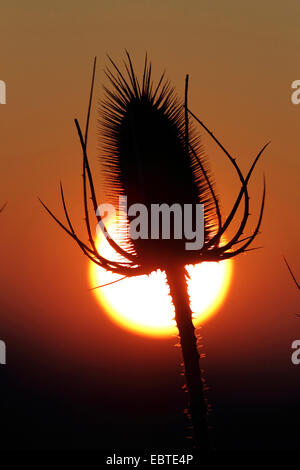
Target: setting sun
x: 142, y: 304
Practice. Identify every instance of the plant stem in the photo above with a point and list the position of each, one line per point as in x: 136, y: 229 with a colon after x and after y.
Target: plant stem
x: 197, y: 405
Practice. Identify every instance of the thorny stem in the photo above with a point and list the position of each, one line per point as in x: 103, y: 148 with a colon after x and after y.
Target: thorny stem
x: 183, y: 315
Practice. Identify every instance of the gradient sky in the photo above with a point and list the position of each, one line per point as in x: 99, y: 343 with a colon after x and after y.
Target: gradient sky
x: 242, y: 59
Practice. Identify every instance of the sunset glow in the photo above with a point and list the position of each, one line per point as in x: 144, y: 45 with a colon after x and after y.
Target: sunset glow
x: 142, y: 304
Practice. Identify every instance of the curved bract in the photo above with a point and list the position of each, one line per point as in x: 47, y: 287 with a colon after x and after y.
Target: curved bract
x: 146, y: 128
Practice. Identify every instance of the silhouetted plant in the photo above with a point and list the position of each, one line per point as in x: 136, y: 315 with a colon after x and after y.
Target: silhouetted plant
x: 291, y: 273
x: 293, y: 277
x: 4, y: 205
x: 153, y: 155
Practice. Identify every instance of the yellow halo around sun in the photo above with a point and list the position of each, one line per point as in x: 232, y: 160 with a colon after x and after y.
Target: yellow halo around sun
x: 142, y: 304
